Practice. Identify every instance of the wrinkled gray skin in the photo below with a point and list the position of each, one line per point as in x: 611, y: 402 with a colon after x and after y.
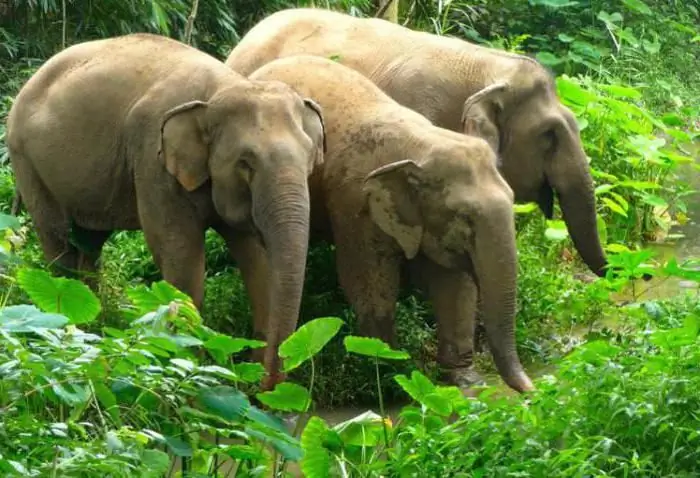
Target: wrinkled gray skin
x: 509, y: 100
x: 144, y: 132
x: 444, y: 79
x: 395, y: 191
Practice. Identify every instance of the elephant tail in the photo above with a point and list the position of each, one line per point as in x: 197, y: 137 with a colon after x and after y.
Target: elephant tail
x: 16, y: 202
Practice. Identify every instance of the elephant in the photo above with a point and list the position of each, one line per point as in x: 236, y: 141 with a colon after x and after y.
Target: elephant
x: 397, y: 193
x: 508, y: 99
x: 143, y: 132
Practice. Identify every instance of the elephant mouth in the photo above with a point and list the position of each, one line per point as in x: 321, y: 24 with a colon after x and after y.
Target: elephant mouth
x: 545, y: 199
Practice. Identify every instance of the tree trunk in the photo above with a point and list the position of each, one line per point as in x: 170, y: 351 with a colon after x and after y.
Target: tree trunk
x: 388, y: 10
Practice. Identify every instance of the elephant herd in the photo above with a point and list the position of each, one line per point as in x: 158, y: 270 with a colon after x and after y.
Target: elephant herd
x: 405, y: 149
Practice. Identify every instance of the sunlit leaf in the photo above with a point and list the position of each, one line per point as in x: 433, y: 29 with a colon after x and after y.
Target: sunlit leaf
x: 615, y: 207
x: 641, y: 185
x: 620, y: 91
x: 556, y: 230
x: 160, y: 293
x: 365, y: 429
x: 422, y: 390
x: 69, y: 297
x: 373, y: 347
x: 308, y: 340
x: 316, y: 460
x: 572, y: 93
x: 286, y: 396
x: 525, y: 208
x: 249, y: 372
x: 554, y: 3
x: 602, y: 229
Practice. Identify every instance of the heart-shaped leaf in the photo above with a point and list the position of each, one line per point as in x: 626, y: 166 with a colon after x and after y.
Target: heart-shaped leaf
x: 69, y: 297
x: 316, y: 461
x: 286, y: 396
x: 373, y: 347
x: 308, y: 340
x: 225, y: 402
x: 230, y: 345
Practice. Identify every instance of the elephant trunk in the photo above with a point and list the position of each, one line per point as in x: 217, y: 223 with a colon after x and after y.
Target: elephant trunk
x: 496, y: 273
x: 575, y: 190
x: 281, y: 212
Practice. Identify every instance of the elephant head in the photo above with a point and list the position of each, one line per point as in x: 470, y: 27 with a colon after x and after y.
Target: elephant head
x: 459, y: 214
x: 256, y: 144
x: 537, y: 139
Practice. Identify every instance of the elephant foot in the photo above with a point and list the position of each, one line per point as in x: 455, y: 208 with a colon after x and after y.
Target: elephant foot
x: 463, y: 377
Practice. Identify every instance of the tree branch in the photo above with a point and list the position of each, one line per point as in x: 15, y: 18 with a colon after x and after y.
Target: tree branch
x: 190, y: 21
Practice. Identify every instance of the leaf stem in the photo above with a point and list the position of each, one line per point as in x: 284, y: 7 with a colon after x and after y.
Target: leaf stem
x: 381, y: 401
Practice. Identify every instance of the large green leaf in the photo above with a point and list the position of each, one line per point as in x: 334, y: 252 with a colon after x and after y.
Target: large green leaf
x: 108, y: 401
x: 316, y: 462
x: 179, y: 447
x: 69, y: 297
x: 230, y: 345
x: 8, y: 222
x: 422, y: 390
x: 554, y: 3
x: 286, y: 396
x: 26, y: 318
x: 373, y: 347
x: 160, y: 293
x: 283, y: 443
x: 638, y: 6
x: 225, y: 402
x: 556, y: 230
x: 365, y: 429
x: 157, y: 463
x: 308, y: 340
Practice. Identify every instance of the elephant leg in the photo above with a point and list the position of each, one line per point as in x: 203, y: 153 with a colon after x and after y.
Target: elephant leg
x: 370, y: 277
x: 454, y: 297
x: 251, y: 258
x: 50, y: 221
x: 176, y: 240
x: 91, y: 243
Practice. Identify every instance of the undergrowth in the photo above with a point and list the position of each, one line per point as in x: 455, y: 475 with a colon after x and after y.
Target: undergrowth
x: 130, y: 381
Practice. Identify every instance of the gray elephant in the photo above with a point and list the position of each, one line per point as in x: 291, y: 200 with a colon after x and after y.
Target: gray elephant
x: 508, y: 99
x: 144, y: 132
x: 396, y: 190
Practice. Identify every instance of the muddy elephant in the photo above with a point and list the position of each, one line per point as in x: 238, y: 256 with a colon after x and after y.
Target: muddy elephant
x: 397, y: 192
x: 141, y: 132
x: 508, y: 99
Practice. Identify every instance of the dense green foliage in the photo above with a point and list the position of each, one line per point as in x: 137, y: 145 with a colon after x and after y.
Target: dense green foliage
x: 107, y: 385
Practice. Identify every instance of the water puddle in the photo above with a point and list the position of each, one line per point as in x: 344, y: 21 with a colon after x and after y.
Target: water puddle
x: 686, y: 248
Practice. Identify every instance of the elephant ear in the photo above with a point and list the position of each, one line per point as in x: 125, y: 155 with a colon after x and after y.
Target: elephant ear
x: 315, y: 128
x: 183, y: 144
x: 388, y: 191
x: 480, y: 112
